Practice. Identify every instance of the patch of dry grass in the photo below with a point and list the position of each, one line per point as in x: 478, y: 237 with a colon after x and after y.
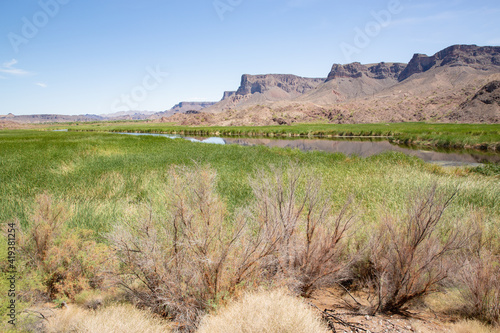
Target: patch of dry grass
x: 117, y: 318
x: 264, y: 312
x: 473, y: 326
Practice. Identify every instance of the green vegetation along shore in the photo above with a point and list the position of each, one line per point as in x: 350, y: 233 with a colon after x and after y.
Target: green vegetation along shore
x: 476, y: 136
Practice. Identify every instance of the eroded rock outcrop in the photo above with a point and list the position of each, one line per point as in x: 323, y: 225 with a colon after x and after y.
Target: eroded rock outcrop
x: 228, y: 94
x: 483, y: 107
x: 482, y: 58
x: 291, y: 84
x: 376, y: 71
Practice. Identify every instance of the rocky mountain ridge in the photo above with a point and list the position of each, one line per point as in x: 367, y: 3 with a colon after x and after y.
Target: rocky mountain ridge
x: 428, y: 88
x: 376, y: 71
x: 291, y: 84
x: 473, y: 56
x: 57, y: 118
x: 49, y: 118
x: 264, y: 88
x: 485, y: 105
x: 351, y: 81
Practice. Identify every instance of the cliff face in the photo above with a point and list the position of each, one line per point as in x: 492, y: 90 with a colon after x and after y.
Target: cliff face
x: 228, y: 94
x: 264, y: 89
x: 356, y: 70
x: 291, y: 84
x: 482, y: 58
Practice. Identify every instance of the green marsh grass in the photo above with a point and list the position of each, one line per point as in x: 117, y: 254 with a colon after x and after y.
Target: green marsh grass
x: 99, y: 174
x: 483, y: 136
x: 99, y: 177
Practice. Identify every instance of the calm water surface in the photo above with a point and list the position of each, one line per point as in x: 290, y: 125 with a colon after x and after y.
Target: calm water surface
x: 359, y: 147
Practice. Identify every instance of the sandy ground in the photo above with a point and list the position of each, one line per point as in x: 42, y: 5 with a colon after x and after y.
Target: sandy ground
x: 333, y: 304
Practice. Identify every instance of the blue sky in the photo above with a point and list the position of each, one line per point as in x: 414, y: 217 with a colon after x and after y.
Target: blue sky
x: 95, y: 57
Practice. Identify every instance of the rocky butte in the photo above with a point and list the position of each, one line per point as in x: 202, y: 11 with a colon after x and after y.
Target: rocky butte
x: 473, y: 56
x: 291, y: 84
x: 428, y: 88
x: 378, y: 71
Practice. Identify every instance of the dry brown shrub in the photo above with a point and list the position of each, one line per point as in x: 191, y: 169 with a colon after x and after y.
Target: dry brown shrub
x: 77, y: 263
x: 479, y: 282
x: 67, y: 261
x: 411, y: 256
x: 311, y: 250
x: 200, y: 254
x: 46, y: 226
x: 195, y: 257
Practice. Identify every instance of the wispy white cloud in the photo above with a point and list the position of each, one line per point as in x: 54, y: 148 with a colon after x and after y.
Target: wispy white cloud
x: 41, y: 84
x: 9, y: 64
x: 8, y: 68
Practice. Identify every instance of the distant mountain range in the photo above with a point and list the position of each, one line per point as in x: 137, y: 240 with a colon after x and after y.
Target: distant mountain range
x: 182, y: 107
x: 55, y: 118
x: 453, y: 85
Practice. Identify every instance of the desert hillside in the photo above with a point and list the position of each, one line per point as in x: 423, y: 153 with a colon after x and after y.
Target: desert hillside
x: 428, y: 88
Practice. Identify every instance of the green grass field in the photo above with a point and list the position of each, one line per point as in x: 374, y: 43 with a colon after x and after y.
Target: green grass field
x: 99, y: 174
x: 99, y: 177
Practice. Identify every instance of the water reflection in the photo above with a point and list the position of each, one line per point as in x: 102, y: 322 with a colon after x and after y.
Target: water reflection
x: 370, y: 148
x: 359, y: 147
x: 214, y: 140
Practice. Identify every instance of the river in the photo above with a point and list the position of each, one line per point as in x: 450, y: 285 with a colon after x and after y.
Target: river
x: 352, y: 146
